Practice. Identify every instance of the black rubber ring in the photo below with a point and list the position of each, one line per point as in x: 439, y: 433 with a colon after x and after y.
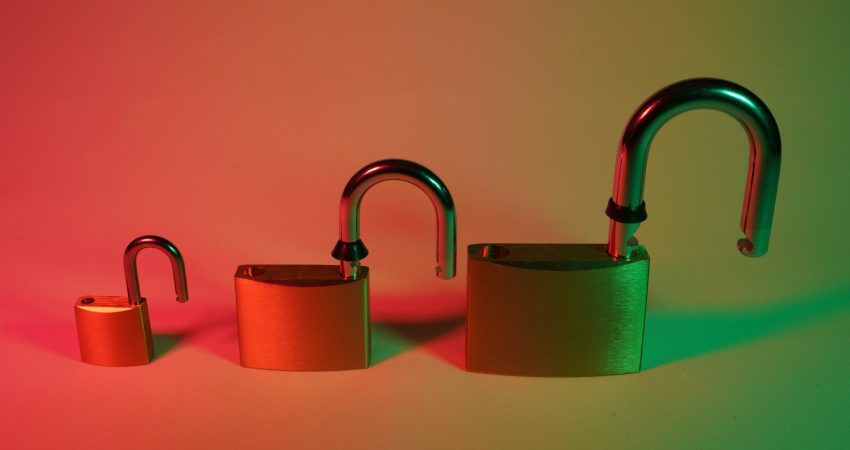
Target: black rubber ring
x: 625, y: 214
x: 349, y: 251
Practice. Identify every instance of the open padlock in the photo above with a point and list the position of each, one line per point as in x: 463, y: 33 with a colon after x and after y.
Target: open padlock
x: 579, y: 309
x: 316, y: 317
x: 116, y: 331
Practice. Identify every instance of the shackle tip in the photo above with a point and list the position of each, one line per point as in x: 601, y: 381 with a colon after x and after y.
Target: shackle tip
x: 443, y: 274
x: 746, y: 247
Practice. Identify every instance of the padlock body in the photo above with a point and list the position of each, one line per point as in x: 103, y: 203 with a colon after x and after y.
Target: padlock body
x: 554, y: 310
x: 302, y: 317
x: 112, y: 332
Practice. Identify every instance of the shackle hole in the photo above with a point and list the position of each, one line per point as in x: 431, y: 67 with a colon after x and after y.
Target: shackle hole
x: 87, y: 301
x: 491, y: 251
x: 254, y: 272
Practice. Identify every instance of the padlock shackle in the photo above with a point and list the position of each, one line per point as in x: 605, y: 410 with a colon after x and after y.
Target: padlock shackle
x: 350, y: 249
x: 131, y: 275
x: 626, y: 207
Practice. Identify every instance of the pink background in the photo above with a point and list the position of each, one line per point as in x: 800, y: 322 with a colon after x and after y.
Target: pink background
x: 231, y: 130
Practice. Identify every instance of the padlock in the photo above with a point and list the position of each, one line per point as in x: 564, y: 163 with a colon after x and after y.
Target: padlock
x: 579, y: 309
x: 316, y: 317
x: 116, y: 331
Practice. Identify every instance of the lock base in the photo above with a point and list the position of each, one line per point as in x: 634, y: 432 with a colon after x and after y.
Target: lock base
x: 554, y: 310
x: 112, y: 332
x: 302, y: 317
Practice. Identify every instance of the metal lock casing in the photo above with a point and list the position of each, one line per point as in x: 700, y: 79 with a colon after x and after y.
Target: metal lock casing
x: 113, y: 332
x: 316, y: 317
x: 302, y: 317
x: 554, y: 310
x: 538, y: 309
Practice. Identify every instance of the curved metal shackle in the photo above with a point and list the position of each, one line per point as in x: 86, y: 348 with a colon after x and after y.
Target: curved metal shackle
x: 626, y: 207
x: 177, y: 267
x: 349, y: 250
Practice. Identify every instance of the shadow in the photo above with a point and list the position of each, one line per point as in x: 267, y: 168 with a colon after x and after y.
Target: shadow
x: 164, y: 343
x: 445, y: 338
x: 214, y: 331
x: 675, y: 335
x: 217, y: 333
x: 61, y: 338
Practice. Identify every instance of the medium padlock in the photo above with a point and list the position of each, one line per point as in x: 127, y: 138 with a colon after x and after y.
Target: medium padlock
x: 579, y: 309
x: 316, y: 317
x: 116, y: 331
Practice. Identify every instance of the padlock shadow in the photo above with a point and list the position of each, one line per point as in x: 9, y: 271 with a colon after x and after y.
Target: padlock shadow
x: 163, y: 343
x: 214, y: 332
x: 675, y: 335
x: 217, y: 333
x: 60, y: 337
x: 444, y: 338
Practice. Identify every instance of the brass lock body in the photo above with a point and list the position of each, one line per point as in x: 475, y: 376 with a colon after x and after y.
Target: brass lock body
x: 579, y: 309
x: 316, y: 317
x: 302, y: 317
x: 554, y: 309
x: 116, y: 330
x: 112, y: 332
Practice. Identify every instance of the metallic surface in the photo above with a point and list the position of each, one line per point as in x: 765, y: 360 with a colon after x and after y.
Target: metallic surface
x: 302, y: 317
x: 113, y: 332
x: 554, y: 310
x: 701, y: 93
x: 178, y: 269
x: 421, y: 177
x: 116, y: 331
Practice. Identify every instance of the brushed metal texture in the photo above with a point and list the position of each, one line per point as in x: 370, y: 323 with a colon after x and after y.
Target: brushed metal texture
x: 302, y: 317
x: 554, y: 310
x: 112, y: 332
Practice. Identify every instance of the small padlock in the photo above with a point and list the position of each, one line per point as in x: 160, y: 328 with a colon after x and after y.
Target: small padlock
x: 116, y: 331
x: 316, y: 317
x: 579, y: 309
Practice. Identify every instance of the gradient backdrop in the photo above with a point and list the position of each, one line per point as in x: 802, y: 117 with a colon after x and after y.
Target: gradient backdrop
x: 232, y: 128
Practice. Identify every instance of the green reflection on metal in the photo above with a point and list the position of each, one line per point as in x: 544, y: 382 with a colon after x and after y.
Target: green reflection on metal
x: 740, y: 97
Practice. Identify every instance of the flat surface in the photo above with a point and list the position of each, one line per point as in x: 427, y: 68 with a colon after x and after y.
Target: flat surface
x: 555, y: 310
x: 101, y: 303
x: 231, y: 130
x: 315, y: 321
x: 296, y: 274
x: 551, y: 256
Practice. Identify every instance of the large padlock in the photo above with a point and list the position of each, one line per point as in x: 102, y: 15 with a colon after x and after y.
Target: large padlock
x: 316, y: 317
x: 116, y: 331
x: 579, y: 309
